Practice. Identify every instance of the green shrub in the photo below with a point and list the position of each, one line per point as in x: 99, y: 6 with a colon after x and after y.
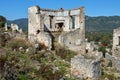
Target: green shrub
x: 103, y: 50
x: 51, y: 67
x: 17, y: 43
x: 2, y: 24
x: 3, y: 39
x: 2, y: 21
x: 3, y: 59
x: 109, y: 76
x: 64, y: 53
x: 22, y: 77
x: 47, y: 71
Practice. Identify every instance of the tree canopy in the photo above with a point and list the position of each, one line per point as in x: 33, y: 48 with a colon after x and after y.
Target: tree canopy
x: 2, y: 21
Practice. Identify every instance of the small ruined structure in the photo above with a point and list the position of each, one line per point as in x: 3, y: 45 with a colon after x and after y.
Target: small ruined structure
x: 14, y: 27
x: 116, y: 41
x: 44, y: 23
x: 90, y: 47
x: 115, y: 57
x: 87, y: 66
x: 16, y: 31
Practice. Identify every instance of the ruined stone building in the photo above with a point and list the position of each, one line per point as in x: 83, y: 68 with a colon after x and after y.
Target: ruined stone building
x: 116, y: 40
x: 14, y: 31
x: 13, y: 27
x: 43, y: 23
x: 115, y: 57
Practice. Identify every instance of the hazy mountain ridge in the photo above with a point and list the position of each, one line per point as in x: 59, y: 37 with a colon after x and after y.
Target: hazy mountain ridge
x: 100, y: 23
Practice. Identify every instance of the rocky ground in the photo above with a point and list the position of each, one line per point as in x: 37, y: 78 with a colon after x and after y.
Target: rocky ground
x: 20, y: 60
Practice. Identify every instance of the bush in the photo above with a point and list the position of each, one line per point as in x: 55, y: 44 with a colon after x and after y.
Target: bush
x: 42, y: 46
x: 3, y: 58
x: 2, y: 21
x: 103, y: 37
x: 110, y: 64
x: 2, y: 24
x: 52, y: 67
x: 64, y: 53
x: 22, y: 77
x: 3, y: 39
x: 102, y: 49
x: 17, y: 43
x: 109, y: 76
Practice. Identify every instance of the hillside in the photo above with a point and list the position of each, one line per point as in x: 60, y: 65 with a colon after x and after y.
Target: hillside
x: 101, y: 23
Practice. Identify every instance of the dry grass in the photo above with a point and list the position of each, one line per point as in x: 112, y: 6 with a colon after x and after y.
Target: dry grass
x: 17, y: 43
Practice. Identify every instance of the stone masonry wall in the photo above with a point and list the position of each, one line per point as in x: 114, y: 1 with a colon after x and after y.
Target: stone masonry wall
x: 45, y: 38
x: 116, y: 38
x: 86, y: 67
x: 65, y: 21
x: 73, y: 40
x: 115, y: 61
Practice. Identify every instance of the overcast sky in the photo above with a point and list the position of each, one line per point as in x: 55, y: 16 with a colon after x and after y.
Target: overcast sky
x: 15, y: 9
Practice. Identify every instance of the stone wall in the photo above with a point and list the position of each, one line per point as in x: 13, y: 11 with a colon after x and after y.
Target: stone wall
x: 14, y: 27
x: 116, y: 38
x: 65, y: 21
x: 43, y: 18
x: 115, y: 57
x: 115, y: 61
x: 73, y: 40
x: 86, y: 66
x: 33, y: 20
x: 42, y: 37
x: 45, y: 39
x: 90, y: 46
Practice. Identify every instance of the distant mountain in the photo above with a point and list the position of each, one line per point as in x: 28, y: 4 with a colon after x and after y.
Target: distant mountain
x: 22, y: 23
x: 101, y: 23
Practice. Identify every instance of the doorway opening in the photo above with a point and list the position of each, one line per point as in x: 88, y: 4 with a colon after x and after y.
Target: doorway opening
x: 60, y: 26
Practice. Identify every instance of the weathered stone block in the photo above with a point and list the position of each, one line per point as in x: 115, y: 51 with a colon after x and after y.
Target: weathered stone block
x: 85, y: 66
x: 115, y: 61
